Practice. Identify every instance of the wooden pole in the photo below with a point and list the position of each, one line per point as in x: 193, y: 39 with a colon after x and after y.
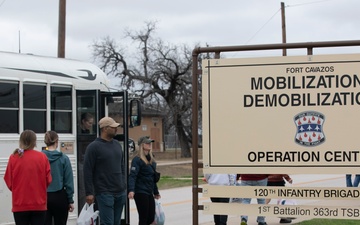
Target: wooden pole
x: 62, y: 29
x: 283, y: 26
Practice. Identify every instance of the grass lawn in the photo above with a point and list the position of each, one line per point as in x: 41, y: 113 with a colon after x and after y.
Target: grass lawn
x: 173, y: 176
x: 329, y: 222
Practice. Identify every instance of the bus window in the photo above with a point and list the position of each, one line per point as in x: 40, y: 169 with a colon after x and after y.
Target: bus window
x: 61, y: 122
x: 35, y: 107
x: 9, y: 107
x: 61, y: 109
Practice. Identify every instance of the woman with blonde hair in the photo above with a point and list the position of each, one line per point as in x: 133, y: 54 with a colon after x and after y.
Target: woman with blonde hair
x: 142, y: 182
x: 27, y: 176
x: 61, y: 190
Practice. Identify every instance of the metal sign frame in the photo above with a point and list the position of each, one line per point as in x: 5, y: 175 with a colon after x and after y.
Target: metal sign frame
x: 196, y: 72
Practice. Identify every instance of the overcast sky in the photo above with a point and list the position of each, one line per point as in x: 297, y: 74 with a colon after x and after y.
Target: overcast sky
x: 217, y: 23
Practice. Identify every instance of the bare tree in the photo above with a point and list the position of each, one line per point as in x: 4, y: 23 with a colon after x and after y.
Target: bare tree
x: 160, y: 73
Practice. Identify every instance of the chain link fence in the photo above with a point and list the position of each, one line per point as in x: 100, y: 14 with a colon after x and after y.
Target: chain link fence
x: 171, y: 141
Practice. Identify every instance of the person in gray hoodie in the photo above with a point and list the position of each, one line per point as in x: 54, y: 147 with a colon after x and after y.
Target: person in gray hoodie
x: 61, y: 190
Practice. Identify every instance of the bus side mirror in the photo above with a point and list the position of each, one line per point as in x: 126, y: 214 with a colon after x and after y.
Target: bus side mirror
x: 135, y: 113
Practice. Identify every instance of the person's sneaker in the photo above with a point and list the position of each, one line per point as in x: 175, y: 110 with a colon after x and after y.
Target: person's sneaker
x: 284, y: 220
x: 243, y: 222
x: 262, y: 223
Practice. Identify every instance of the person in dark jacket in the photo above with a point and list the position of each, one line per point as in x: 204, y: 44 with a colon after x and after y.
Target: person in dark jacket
x: 61, y: 190
x: 104, y: 173
x: 142, y: 186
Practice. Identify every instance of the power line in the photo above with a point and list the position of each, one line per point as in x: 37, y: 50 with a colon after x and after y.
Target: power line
x: 262, y: 26
x: 2, y: 3
x: 295, y: 5
x: 308, y: 3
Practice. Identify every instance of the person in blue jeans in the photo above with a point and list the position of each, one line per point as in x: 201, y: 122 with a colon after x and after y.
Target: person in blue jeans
x: 104, y: 173
x: 349, y: 182
x: 253, y: 180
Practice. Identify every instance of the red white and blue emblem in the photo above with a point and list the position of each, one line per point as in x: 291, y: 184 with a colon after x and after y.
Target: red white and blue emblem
x: 309, y: 128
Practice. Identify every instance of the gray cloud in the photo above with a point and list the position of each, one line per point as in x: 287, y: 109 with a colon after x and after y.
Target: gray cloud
x: 217, y: 23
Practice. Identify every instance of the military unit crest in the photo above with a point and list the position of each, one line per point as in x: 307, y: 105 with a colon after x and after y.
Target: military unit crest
x: 309, y: 128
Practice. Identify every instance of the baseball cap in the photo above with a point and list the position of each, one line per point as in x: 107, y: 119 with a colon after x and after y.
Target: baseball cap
x: 145, y: 140
x: 108, y: 121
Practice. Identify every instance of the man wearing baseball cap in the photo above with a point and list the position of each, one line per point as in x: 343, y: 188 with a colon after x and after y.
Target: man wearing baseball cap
x: 108, y: 122
x: 104, y: 173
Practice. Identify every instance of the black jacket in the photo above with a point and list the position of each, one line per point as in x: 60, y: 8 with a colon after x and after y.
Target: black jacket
x: 142, y: 178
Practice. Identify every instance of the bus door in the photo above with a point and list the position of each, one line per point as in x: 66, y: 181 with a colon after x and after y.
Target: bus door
x: 128, y: 114
x: 115, y: 105
x: 91, y: 107
x: 87, y: 115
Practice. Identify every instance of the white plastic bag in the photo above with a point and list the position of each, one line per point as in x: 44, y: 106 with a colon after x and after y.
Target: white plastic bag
x: 87, y: 215
x: 159, y: 213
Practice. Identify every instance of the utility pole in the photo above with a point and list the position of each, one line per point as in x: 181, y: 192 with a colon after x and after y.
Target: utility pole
x: 283, y: 26
x: 62, y: 29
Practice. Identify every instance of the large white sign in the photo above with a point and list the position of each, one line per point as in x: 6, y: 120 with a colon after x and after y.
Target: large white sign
x: 296, y: 114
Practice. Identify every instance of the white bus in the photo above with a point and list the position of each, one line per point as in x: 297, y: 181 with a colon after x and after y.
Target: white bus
x: 45, y: 93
